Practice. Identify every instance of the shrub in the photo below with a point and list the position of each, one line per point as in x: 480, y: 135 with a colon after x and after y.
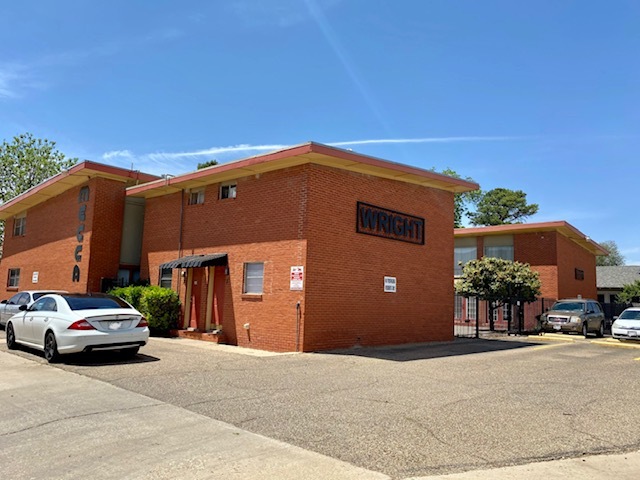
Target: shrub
x: 161, y: 307
x: 130, y: 294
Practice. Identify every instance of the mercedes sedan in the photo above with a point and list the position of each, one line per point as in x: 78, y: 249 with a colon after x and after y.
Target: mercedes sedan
x: 72, y: 323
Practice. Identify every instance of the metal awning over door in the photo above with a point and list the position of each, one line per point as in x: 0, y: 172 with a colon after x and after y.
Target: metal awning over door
x: 196, y: 261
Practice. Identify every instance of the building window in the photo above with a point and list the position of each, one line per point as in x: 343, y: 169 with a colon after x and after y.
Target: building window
x: 166, y: 275
x: 499, y: 246
x: 472, y: 312
x: 461, y: 256
x: 20, y: 225
x: 579, y: 274
x: 228, y: 191
x: 196, y: 196
x: 14, y: 277
x: 457, y: 311
x: 494, y: 312
x: 505, y: 252
x: 253, y: 277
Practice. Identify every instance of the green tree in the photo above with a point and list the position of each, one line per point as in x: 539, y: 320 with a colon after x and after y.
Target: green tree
x: 630, y: 292
x: 461, y: 200
x: 209, y: 163
x: 498, y: 281
x: 614, y: 258
x: 502, y: 206
x: 26, y: 162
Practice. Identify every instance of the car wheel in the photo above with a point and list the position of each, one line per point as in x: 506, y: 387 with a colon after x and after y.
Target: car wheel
x: 11, y: 337
x: 129, y: 352
x: 600, y: 333
x: 585, y: 330
x: 51, y: 348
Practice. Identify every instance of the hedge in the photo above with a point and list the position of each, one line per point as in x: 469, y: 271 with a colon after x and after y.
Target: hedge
x: 160, y: 306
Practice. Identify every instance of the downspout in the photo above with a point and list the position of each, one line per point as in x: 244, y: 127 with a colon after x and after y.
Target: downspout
x: 180, y: 277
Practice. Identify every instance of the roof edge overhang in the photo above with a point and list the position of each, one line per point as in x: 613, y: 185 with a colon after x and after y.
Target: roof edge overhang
x: 311, y: 152
x: 67, y: 179
x: 562, y: 227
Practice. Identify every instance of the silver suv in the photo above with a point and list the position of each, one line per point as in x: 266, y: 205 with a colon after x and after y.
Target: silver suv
x: 579, y: 315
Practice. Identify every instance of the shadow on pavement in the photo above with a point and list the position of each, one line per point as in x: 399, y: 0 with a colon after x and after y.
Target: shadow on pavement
x: 425, y: 351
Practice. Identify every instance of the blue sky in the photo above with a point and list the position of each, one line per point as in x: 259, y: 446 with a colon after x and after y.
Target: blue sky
x: 537, y: 96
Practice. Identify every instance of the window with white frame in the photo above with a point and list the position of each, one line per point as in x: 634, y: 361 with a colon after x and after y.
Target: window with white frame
x: 494, y: 312
x: 13, y: 279
x: 196, y: 196
x: 253, y: 277
x: 505, y: 311
x: 20, y: 225
x: 228, y: 190
x: 499, y: 246
x: 166, y: 275
x: 457, y: 311
x: 472, y: 311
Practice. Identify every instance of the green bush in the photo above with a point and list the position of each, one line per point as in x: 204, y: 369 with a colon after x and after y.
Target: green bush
x: 131, y: 294
x: 160, y: 306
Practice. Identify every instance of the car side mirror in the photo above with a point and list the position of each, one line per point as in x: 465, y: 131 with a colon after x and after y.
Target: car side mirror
x: 22, y: 308
x: 615, y: 317
x: 3, y: 301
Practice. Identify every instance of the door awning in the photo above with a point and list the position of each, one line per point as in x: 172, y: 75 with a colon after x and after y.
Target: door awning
x: 196, y: 261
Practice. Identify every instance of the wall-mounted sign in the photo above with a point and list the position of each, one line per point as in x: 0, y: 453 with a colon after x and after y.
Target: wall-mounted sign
x: 297, y: 278
x: 382, y: 222
x: 83, y: 198
x: 390, y: 284
x: 34, y: 277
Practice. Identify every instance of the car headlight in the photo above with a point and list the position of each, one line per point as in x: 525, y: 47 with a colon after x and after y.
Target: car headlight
x: 575, y: 319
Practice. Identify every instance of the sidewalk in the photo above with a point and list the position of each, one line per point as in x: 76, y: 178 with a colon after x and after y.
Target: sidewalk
x: 57, y: 424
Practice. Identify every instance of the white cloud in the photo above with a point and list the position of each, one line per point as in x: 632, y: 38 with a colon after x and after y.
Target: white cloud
x: 178, y: 162
x: 117, y: 154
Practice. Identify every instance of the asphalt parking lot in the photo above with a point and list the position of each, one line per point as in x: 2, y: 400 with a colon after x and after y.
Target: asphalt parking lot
x: 403, y: 411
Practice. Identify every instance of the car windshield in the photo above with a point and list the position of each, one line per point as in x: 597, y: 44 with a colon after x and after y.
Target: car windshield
x: 570, y: 306
x: 89, y: 303
x: 630, y: 315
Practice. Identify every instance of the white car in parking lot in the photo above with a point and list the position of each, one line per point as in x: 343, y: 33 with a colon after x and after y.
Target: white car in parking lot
x: 8, y: 308
x: 72, y: 322
x: 627, y: 325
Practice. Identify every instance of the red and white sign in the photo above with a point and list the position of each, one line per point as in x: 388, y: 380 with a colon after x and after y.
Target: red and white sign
x: 297, y: 278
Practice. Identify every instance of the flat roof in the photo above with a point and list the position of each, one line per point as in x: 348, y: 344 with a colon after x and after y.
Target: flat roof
x: 310, y: 152
x: 561, y: 227
x: 67, y: 179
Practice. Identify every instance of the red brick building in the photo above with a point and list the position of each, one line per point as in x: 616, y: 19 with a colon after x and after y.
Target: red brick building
x: 564, y: 257
x: 307, y: 248
x: 66, y: 233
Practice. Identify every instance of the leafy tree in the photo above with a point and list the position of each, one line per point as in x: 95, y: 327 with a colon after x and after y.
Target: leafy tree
x: 26, y: 162
x: 630, y: 292
x: 206, y: 164
x: 614, y: 258
x: 461, y: 200
x: 498, y: 281
x: 502, y: 206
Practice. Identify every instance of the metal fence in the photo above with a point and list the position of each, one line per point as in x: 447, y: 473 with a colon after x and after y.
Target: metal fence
x: 473, y: 317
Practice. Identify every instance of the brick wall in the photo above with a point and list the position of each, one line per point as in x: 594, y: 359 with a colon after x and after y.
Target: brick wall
x: 50, y: 242
x: 345, y: 301
x: 307, y: 216
x: 540, y: 250
x: 571, y: 257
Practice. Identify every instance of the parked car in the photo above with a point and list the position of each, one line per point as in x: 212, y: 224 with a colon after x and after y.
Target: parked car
x: 578, y: 315
x: 627, y: 325
x: 71, y: 323
x: 8, y: 308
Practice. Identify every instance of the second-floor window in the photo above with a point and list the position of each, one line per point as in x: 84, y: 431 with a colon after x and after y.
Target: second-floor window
x: 228, y: 191
x: 20, y: 225
x: 196, y: 196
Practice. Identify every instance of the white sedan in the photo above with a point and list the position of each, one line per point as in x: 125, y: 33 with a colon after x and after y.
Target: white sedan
x: 73, y: 322
x: 627, y: 325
